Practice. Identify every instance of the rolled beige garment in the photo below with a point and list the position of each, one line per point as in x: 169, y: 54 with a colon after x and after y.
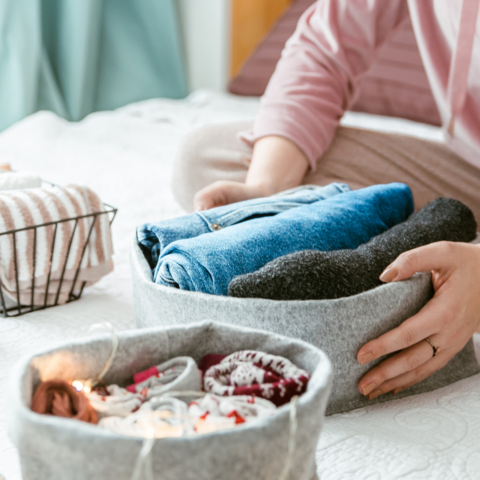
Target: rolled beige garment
x: 19, y: 180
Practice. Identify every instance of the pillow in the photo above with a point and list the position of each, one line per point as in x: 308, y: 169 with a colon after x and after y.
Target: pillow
x: 259, y: 67
x: 396, y: 85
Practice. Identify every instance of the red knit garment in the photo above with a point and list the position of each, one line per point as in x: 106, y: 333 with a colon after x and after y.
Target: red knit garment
x: 257, y: 374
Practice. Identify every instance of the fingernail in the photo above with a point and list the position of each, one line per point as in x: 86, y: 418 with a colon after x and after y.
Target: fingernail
x: 375, y: 394
x: 367, y: 357
x: 398, y: 390
x: 389, y: 274
x: 367, y: 389
x: 199, y: 208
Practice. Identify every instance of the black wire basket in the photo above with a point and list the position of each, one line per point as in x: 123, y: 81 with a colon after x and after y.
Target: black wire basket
x: 10, y: 307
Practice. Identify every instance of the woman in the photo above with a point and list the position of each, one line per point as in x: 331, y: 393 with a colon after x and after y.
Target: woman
x: 296, y: 139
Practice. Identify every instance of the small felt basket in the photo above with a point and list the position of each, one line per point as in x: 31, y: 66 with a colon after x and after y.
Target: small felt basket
x: 55, y: 448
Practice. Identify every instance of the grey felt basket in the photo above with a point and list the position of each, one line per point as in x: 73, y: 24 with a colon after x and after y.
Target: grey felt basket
x: 53, y: 448
x: 339, y: 327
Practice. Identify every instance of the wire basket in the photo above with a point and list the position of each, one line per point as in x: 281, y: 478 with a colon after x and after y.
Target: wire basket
x: 14, y: 308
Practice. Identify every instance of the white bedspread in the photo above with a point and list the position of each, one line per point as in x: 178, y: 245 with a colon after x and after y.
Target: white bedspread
x: 126, y: 157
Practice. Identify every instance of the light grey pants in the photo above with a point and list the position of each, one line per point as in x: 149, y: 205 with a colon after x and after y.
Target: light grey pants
x: 357, y: 157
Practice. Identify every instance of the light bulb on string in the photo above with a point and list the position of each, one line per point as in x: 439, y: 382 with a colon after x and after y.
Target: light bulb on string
x: 77, y: 385
x: 80, y: 386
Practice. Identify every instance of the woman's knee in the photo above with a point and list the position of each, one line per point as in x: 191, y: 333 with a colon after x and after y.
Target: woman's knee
x: 208, y: 154
x: 190, y: 165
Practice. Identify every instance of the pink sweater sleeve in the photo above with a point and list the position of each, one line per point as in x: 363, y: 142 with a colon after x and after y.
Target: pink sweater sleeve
x: 321, y: 67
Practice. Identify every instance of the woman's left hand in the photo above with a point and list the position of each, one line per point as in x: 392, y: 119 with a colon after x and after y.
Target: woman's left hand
x: 448, y: 320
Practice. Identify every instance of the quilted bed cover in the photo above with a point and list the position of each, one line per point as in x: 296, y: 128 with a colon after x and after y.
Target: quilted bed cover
x: 126, y: 157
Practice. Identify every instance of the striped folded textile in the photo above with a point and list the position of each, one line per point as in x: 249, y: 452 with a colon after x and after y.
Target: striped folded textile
x: 58, y: 256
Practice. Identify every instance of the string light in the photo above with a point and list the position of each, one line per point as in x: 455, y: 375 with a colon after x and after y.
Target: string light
x: 77, y: 385
x: 86, y: 386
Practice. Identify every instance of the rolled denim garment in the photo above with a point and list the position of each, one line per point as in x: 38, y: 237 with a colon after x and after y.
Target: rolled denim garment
x: 208, y: 263
x: 154, y: 238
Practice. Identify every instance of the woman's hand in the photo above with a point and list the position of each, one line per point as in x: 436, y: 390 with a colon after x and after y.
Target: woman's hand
x: 225, y: 192
x: 448, y: 320
x: 277, y: 164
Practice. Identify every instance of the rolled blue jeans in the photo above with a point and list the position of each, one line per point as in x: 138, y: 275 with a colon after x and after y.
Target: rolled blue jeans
x: 153, y: 238
x: 208, y: 262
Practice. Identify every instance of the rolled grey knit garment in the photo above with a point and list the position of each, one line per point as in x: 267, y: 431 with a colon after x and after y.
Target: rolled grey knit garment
x: 317, y: 275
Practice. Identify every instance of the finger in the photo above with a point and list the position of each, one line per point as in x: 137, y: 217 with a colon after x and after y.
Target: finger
x: 406, y: 380
x: 209, y: 197
x: 422, y: 259
x: 413, y: 330
x: 405, y: 361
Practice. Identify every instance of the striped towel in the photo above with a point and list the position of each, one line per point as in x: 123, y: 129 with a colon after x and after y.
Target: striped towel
x: 67, y: 240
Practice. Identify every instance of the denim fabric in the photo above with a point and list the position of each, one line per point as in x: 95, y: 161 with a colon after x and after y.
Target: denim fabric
x: 208, y: 263
x: 155, y: 237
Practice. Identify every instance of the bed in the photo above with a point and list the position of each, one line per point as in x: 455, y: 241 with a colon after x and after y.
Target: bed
x: 126, y: 156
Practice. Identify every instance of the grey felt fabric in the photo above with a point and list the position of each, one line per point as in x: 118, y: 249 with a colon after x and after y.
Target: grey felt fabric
x: 55, y: 448
x: 318, y: 275
x: 339, y: 327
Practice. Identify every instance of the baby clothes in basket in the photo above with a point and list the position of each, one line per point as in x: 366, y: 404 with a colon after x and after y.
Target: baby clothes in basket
x: 255, y: 373
x: 208, y: 262
x: 52, y: 254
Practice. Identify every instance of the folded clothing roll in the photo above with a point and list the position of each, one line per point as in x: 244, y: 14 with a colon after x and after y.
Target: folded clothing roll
x: 159, y: 417
x: 19, y: 180
x: 258, y: 374
x: 114, y: 401
x: 180, y: 373
x: 238, y: 407
x: 314, y: 275
x: 209, y: 262
x: 213, y: 413
x: 176, y: 374
x: 169, y: 417
x: 59, y: 398
x: 154, y: 238
x: 26, y: 208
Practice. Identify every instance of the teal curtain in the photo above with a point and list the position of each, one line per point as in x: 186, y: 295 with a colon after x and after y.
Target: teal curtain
x: 78, y: 56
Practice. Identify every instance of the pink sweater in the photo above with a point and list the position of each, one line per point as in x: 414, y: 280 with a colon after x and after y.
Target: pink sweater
x: 336, y: 41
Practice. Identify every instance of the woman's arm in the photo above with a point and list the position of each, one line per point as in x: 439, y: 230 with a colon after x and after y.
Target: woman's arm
x: 315, y: 81
x: 277, y: 164
x: 448, y: 320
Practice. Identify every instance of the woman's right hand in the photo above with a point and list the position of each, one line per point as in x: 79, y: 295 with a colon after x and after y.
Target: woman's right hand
x: 225, y: 192
x: 277, y: 164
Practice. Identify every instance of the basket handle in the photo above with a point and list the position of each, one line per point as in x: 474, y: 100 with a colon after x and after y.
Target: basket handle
x: 108, y: 327
x: 292, y: 438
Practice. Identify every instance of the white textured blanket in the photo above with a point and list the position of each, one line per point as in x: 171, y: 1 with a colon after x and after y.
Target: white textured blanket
x: 126, y: 157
